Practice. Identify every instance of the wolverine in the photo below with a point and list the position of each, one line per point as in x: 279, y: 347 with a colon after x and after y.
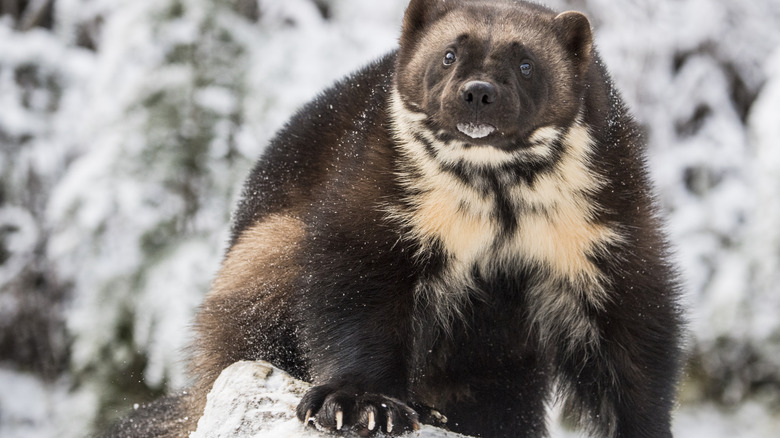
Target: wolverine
x: 460, y: 233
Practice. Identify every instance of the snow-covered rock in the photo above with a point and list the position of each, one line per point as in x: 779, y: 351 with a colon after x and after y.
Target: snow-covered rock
x: 258, y: 400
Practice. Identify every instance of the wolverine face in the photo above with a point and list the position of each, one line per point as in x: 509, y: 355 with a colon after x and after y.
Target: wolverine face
x: 483, y: 90
x: 492, y: 73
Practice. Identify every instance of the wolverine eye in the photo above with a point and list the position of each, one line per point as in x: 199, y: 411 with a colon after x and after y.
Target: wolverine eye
x: 450, y: 58
x: 526, y: 69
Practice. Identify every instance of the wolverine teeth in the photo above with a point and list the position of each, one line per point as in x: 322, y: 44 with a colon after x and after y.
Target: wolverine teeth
x: 339, y: 419
x: 389, y: 422
x: 476, y: 130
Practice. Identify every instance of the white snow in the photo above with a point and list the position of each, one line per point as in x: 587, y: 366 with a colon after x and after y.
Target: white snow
x: 21, y: 241
x: 751, y: 419
x: 764, y: 237
x: 252, y: 390
x: 31, y: 408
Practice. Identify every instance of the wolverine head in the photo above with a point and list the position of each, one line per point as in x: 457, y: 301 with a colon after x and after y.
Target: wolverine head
x: 503, y: 74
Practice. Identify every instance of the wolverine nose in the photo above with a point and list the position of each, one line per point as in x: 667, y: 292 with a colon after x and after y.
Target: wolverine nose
x: 478, y: 94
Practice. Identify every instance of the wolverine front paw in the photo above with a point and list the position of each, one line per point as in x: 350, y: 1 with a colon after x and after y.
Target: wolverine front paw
x: 341, y: 410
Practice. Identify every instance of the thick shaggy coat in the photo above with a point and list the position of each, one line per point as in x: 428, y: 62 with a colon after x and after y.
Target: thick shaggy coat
x: 459, y: 230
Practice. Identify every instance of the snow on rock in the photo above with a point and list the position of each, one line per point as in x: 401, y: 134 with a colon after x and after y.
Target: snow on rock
x: 258, y: 400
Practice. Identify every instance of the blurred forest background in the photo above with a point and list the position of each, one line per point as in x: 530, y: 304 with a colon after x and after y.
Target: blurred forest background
x: 127, y: 127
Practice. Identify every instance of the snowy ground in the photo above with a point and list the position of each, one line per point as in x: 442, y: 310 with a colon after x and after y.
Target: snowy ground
x: 254, y: 399
x: 126, y: 130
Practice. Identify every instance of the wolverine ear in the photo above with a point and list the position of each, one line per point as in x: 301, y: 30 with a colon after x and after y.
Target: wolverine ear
x: 574, y: 32
x: 419, y: 14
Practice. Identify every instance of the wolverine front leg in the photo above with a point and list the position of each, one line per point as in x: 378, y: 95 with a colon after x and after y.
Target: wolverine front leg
x: 624, y: 384
x: 507, y: 399
x: 355, y: 320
